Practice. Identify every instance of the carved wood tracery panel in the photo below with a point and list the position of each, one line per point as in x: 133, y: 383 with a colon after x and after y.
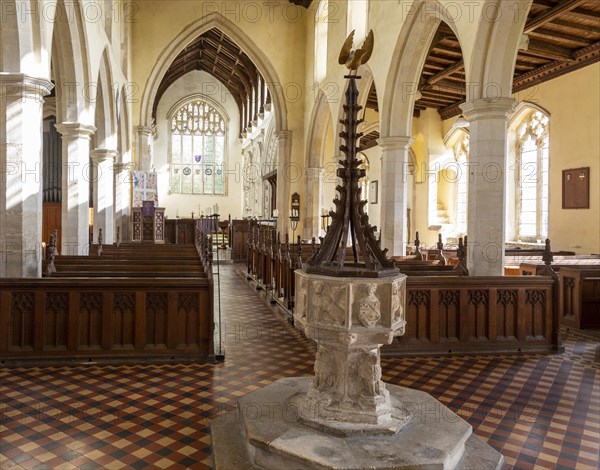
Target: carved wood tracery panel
x: 90, y: 321
x: 21, y: 325
x: 123, y: 319
x: 156, y: 319
x: 56, y: 320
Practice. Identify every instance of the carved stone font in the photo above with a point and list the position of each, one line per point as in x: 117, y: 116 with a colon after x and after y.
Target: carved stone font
x: 350, y: 318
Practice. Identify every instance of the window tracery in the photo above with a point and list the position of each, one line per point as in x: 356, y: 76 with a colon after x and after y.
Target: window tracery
x: 198, y: 149
x: 533, y: 152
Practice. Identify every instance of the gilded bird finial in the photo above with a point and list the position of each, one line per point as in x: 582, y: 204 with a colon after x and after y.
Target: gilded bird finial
x: 354, y: 59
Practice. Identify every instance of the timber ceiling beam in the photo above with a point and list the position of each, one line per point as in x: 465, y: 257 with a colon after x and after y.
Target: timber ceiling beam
x: 550, y: 51
x: 551, y: 14
x: 456, y: 67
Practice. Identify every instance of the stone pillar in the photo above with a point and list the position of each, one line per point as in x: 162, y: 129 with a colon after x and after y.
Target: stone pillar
x: 393, y: 193
x: 75, y: 187
x: 487, y: 170
x: 284, y: 171
x: 21, y: 112
x: 314, y: 192
x: 122, y: 199
x: 103, y: 180
x: 144, y: 148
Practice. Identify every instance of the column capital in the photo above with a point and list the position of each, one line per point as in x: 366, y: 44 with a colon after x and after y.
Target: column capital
x: 74, y: 130
x: 22, y: 85
x: 395, y: 142
x: 281, y: 135
x: 144, y: 130
x: 497, y: 108
x: 101, y: 155
x: 122, y: 166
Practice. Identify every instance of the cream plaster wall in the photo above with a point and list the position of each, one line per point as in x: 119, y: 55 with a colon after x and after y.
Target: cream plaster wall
x: 573, y: 102
x: 183, y: 204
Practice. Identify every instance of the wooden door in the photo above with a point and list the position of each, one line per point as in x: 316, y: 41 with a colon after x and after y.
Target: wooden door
x: 51, y: 219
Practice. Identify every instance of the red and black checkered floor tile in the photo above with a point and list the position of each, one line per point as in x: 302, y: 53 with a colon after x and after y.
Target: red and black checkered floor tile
x: 540, y: 411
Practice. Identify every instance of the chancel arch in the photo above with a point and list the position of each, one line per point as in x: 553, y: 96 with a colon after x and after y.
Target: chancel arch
x: 186, y: 36
x: 272, y: 95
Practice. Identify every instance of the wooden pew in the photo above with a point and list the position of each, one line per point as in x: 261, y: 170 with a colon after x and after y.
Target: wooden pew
x: 477, y: 315
x: 148, y: 305
x: 580, y: 261
x: 580, y: 296
x: 138, y: 318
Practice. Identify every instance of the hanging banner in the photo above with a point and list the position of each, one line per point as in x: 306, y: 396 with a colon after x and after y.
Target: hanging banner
x: 145, y: 188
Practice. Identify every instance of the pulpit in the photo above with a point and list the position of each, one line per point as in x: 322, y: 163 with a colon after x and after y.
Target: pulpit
x: 148, y: 224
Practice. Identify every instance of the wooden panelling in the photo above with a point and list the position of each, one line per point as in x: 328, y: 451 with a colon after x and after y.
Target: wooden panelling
x: 477, y: 314
x: 56, y: 318
x: 579, y: 299
x: 105, y: 318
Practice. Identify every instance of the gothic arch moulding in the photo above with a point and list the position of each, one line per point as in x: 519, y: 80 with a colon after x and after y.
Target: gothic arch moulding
x: 191, y: 32
x: 69, y: 57
x: 523, y: 108
x: 497, y: 42
x: 320, y: 122
x: 104, y: 105
x: 408, y: 60
x: 124, y: 126
x: 21, y: 38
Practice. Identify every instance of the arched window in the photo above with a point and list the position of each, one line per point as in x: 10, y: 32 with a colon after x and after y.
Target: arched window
x: 358, y: 16
x: 532, y: 161
x: 198, y: 137
x: 322, y: 18
x: 461, y: 155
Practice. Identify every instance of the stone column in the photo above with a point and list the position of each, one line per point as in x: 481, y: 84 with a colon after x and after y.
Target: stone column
x: 393, y: 193
x: 122, y: 199
x: 75, y: 187
x: 103, y: 180
x: 144, y: 148
x: 21, y: 112
x: 284, y: 171
x: 487, y: 170
x: 314, y: 192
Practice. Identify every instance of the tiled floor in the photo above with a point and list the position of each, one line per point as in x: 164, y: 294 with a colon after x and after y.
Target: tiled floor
x: 539, y: 411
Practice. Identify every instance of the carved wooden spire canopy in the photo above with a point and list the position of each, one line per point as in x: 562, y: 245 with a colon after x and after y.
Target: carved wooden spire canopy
x: 349, y: 221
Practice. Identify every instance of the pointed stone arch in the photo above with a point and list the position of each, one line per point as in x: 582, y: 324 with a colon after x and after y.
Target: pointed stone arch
x: 497, y: 41
x: 105, y: 105
x: 186, y: 36
x: 525, y: 107
x: 397, y: 111
x: 402, y: 82
x: 320, y: 124
x: 69, y: 56
x: 122, y: 189
x: 21, y: 38
x: 123, y: 127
